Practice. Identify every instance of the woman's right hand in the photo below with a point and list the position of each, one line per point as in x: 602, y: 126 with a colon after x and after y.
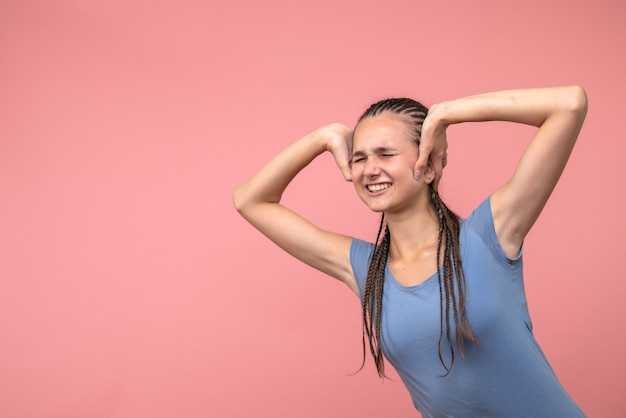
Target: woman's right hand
x: 338, y: 140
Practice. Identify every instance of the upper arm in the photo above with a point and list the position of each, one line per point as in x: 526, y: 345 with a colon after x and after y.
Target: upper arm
x: 517, y: 204
x: 326, y: 251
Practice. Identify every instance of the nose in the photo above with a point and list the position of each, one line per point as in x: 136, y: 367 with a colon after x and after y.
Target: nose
x: 372, y: 168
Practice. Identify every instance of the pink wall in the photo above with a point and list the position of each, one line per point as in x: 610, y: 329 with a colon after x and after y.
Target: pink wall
x: 129, y: 287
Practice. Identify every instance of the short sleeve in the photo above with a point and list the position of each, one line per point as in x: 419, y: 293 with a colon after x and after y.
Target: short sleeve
x: 481, y: 222
x: 360, y: 255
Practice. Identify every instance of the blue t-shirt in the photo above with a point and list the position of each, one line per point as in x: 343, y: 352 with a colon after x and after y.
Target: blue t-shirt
x: 507, y: 375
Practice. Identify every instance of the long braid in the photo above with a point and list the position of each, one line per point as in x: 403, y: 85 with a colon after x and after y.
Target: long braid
x: 463, y: 330
x: 452, y: 296
x: 450, y: 276
x: 444, y: 314
x: 372, y: 310
x: 384, y: 255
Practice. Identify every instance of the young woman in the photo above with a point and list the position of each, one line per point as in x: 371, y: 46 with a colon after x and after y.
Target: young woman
x: 443, y: 298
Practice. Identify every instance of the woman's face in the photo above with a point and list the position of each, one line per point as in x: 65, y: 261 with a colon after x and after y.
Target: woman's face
x: 383, y: 163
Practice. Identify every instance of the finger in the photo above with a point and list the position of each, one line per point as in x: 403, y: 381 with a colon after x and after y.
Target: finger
x: 343, y: 163
x: 347, y: 173
x: 437, y: 165
x: 421, y: 165
x: 346, y: 170
x: 344, y: 166
x: 439, y: 174
x: 424, y: 150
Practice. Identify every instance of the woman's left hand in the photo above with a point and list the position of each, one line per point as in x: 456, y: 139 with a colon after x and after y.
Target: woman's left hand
x: 432, y: 157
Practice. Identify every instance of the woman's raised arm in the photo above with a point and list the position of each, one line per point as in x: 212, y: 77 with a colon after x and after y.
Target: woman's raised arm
x: 558, y: 113
x: 258, y: 201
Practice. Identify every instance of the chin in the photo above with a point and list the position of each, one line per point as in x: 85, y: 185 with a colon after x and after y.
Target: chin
x: 376, y: 207
x: 374, y: 204
x: 377, y: 210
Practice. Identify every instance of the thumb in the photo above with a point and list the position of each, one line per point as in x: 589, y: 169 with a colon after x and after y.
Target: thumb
x: 421, y: 165
x: 344, y: 166
x: 347, y: 173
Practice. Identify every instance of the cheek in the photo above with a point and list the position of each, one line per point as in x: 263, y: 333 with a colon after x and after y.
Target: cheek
x: 357, y: 177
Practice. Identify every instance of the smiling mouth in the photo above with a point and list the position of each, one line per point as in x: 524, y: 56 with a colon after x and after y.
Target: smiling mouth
x: 378, y: 187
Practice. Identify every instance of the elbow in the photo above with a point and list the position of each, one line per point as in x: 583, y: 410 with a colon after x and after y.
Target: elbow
x: 248, y: 199
x: 238, y: 200
x: 577, y: 102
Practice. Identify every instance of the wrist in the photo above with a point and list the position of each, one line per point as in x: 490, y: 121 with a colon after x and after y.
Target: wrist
x: 315, y: 142
x: 440, y: 115
x: 330, y: 137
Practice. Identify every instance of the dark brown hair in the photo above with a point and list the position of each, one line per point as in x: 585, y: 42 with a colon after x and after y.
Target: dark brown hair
x: 450, y: 276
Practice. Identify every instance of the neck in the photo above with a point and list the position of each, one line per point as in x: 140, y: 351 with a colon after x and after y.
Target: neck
x: 413, y: 231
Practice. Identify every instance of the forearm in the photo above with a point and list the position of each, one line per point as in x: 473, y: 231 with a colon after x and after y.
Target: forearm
x: 269, y: 183
x: 529, y: 106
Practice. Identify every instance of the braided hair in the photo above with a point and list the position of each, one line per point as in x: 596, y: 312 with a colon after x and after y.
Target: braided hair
x: 451, y: 277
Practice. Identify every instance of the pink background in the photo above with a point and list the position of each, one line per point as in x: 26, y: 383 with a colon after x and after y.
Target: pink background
x: 129, y: 286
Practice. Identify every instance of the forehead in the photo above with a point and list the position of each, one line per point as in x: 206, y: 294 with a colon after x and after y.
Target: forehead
x: 386, y: 129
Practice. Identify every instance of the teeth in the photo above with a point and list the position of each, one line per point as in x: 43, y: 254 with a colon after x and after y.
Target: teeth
x: 378, y: 187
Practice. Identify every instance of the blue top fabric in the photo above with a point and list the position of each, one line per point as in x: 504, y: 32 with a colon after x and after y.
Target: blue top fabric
x: 507, y: 375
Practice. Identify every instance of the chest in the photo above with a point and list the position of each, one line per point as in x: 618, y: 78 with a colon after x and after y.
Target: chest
x: 415, y: 271
x: 411, y: 320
